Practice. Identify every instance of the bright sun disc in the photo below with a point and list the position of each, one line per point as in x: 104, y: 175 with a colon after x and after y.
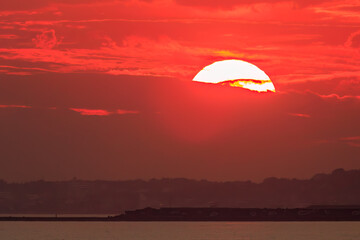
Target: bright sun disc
x: 236, y: 73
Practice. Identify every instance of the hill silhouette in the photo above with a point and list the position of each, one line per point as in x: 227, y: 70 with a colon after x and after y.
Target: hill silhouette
x: 79, y: 196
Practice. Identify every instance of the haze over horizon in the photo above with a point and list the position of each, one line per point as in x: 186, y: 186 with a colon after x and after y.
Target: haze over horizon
x: 339, y: 188
x: 74, y: 178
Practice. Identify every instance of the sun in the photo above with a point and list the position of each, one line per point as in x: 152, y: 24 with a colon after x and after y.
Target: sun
x: 236, y: 73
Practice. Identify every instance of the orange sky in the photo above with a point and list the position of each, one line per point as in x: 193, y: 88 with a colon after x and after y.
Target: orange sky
x: 102, y: 89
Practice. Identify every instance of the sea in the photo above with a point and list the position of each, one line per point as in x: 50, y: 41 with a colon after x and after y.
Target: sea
x: 180, y: 230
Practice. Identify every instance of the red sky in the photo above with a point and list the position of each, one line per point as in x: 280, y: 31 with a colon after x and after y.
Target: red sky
x: 102, y: 89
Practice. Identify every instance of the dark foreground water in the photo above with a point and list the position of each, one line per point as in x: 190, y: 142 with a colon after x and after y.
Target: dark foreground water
x: 180, y: 230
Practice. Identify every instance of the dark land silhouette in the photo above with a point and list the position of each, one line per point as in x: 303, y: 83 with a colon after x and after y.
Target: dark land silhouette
x: 114, y: 197
x: 312, y: 213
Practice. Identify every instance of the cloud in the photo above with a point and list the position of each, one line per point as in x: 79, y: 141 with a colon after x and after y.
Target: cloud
x: 350, y: 7
x: 302, y: 115
x: 298, y: 47
x: 353, y: 40
x: 36, y: 4
x: 286, y: 12
x: 14, y: 106
x: 145, y: 56
x: 8, y: 36
x: 46, y: 40
x: 337, y: 97
x: 19, y: 5
x: 341, y: 87
x: 91, y: 112
x: 352, y: 141
x: 135, y: 56
x: 350, y: 86
x: 233, y: 3
x: 82, y: 111
x: 101, y: 112
x: 121, y: 112
x: 340, y: 10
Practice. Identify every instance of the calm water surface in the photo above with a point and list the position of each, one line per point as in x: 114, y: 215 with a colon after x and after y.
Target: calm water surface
x: 180, y: 230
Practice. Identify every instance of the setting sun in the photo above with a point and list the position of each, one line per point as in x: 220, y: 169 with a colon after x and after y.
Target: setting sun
x: 236, y: 73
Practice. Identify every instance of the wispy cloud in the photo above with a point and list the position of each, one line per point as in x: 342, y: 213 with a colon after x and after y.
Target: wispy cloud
x: 102, y: 112
x: 14, y: 106
x: 352, y: 141
x: 301, y: 115
x: 353, y: 40
x: 8, y: 36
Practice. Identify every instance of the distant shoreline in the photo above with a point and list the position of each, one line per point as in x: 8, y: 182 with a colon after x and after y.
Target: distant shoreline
x: 212, y: 215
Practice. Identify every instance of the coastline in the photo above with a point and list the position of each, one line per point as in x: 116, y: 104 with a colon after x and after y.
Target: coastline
x: 212, y: 215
